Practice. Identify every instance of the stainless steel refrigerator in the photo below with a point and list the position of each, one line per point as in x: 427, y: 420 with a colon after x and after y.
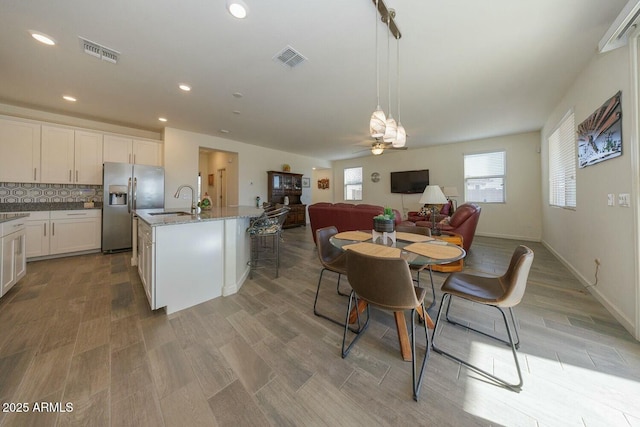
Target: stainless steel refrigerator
x: 126, y: 188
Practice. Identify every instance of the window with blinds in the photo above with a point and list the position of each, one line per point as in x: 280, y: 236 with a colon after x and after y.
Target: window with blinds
x: 484, y: 177
x: 562, y: 164
x: 353, y: 183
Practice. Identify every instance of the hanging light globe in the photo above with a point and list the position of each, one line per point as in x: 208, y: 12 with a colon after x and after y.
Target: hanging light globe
x: 377, y: 124
x: 390, y: 130
x: 401, y: 137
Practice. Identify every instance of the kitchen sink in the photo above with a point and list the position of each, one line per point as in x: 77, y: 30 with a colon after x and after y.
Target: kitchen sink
x: 170, y: 213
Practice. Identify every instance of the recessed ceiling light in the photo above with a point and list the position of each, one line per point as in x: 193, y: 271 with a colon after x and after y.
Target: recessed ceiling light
x: 237, y: 8
x: 237, y: 95
x: 69, y: 98
x: 162, y: 119
x: 236, y: 112
x: 185, y: 87
x: 43, y: 38
x: 224, y: 131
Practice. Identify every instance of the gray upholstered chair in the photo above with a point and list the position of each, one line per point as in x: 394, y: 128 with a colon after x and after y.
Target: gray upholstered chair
x: 332, y: 259
x: 504, y: 292
x: 417, y: 229
x: 385, y: 283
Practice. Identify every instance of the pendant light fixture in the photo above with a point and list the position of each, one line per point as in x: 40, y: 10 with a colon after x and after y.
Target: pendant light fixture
x: 391, y: 128
x: 377, y: 123
x: 401, y: 134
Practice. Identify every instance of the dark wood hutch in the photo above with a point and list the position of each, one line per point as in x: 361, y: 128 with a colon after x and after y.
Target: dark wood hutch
x: 286, y: 184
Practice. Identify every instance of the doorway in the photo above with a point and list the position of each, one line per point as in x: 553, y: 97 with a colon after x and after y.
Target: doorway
x: 222, y: 188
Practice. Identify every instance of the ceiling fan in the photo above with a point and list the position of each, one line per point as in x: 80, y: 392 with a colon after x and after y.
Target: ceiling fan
x: 379, y: 146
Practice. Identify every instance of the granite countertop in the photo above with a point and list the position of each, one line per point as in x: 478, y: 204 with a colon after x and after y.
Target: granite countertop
x: 10, y: 217
x: 182, y: 216
x: 32, y: 207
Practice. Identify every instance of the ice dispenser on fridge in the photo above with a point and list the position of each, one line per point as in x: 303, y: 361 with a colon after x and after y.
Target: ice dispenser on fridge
x: 117, y: 195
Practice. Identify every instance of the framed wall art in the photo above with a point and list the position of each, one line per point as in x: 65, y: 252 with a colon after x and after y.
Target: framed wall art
x: 600, y: 135
x: 306, y: 182
x: 323, y: 184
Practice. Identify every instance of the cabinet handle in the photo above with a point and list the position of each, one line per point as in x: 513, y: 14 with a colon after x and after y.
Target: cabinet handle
x: 53, y: 228
x: 134, y: 159
x: 129, y: 157
x: 69, y: 175
x: 45, y: 229
x: 76, y: 175
x: 18, y: 225
x: 34, y: 173
x: 76, y: 214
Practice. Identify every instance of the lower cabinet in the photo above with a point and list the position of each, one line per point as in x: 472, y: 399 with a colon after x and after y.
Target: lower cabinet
x: 146, y: 264
x: 74, y: 231
x: 13, y: 264
x: 296, y: 216
x: 61, y: 232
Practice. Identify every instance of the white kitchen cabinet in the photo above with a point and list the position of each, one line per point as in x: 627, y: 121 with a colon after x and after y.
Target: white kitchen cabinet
x: 128, y: 150
x: 60, y: 232
x: 12, y: 253
x: 146, y: 264
x: 71, y: 156
x: 57, y: 155
x: 19, y: 151
x: 38, y: 230
x: 88, y: 157
x: 74, y: 231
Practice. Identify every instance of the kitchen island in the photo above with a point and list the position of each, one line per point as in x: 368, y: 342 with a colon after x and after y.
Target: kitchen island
x: 184, y: 260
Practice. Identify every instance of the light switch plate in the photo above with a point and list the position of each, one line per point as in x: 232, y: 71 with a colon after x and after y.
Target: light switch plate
x: 624, y: 200
x: 611, y: 199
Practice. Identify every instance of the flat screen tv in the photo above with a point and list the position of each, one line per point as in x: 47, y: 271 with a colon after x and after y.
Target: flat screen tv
x: 409, y: 182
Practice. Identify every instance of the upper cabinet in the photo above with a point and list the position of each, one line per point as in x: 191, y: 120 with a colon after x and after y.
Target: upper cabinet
x: 127, y: 150
x: 71, y: 156
x: 40, y: 152
x: 19, y: 151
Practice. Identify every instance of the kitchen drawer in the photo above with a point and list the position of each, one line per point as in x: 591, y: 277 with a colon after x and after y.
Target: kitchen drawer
x: 86, y: 213
x: 12, y: 226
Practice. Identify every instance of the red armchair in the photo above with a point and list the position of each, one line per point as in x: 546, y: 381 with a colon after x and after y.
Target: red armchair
x: 463, y: 221
x: 445, y: 211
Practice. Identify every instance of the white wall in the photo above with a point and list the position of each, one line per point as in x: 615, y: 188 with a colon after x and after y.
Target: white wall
x: 593, y: 229
x: 181, y: 163
x: 518, y: 218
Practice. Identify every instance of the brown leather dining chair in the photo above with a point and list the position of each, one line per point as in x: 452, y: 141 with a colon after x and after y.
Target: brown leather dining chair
x: 426, y: 231
x: 332, y: 259
x: 385, y: 283
x: 504, y: 292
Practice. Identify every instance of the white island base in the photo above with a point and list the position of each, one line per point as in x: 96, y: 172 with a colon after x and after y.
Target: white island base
x: 186, y: 260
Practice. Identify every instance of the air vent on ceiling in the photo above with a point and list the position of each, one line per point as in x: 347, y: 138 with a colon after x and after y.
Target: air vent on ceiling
x: 290, y: 57
x: 99, y: 51
x: 624, y: 24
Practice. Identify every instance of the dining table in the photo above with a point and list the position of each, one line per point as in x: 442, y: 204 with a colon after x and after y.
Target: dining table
x: 417, y: 249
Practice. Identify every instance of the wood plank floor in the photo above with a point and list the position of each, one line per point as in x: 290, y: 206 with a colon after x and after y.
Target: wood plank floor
x: 79, y: 330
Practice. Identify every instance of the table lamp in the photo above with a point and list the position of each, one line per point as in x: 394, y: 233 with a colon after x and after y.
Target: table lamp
x: 433, y: 195
x: 451, y: 193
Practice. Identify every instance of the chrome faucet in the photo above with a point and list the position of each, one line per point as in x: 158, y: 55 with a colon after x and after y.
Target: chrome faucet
x: 194, y: 209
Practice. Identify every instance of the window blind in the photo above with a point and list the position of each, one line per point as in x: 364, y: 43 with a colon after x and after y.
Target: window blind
x: 484, y: 177
x: 562, y: 163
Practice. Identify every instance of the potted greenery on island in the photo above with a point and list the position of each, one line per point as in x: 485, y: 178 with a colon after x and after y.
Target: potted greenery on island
x: 385, y: 221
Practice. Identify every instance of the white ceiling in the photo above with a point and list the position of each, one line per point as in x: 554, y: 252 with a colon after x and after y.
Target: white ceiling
x: 469, y: 68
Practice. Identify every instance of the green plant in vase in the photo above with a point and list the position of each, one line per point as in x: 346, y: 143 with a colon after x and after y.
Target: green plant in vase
x: 385, y: 221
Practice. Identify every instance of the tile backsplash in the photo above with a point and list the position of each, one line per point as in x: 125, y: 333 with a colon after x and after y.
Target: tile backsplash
x: 11, y: 192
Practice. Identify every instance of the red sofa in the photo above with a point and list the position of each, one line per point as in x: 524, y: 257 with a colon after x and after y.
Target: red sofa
x: 345, y: 216
x: 463, y: 221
